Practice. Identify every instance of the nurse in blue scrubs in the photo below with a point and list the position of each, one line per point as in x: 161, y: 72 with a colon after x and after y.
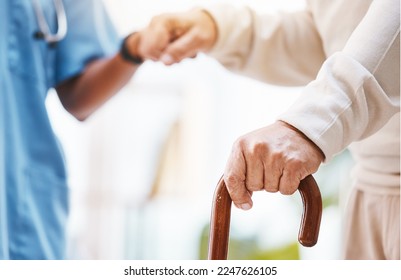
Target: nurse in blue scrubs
x: 71, y: 46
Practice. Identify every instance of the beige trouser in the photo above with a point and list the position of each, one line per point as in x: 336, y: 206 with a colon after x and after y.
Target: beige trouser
x: 372, y: 225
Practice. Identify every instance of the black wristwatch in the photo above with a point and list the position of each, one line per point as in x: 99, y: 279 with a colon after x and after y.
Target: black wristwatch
x: 126, y: 55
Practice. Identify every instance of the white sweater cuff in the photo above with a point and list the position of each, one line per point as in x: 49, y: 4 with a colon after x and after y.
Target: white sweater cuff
x: 344, y: 104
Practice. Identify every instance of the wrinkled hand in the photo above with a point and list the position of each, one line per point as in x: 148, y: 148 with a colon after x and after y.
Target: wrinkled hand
x: 274, y: 158
x: 172, y: 37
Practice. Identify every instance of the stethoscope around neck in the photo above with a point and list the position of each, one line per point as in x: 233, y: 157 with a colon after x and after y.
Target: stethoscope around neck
x: 44, y: 32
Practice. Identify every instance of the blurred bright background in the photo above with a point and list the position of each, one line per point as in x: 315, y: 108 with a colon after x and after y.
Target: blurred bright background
x: 142, y: 169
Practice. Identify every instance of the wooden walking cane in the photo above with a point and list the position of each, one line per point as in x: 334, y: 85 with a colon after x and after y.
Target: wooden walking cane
x: 221, y: 215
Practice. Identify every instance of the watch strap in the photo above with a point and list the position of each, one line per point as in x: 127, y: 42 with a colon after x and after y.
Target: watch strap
x: 126, y: 55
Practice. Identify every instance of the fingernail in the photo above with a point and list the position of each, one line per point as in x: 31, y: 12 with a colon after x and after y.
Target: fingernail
x: 167, y: 59
x: 245, y: 206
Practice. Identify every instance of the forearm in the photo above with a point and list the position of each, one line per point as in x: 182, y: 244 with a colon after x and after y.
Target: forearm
x: 101, y: 80
x: 357, y: 89
x: 281, y: 48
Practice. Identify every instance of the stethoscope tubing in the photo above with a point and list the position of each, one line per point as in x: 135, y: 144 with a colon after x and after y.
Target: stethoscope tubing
x: 44, y: 30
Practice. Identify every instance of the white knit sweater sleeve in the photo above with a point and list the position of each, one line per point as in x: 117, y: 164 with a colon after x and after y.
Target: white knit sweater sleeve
x: 289, y: 42
x: 357, y: 90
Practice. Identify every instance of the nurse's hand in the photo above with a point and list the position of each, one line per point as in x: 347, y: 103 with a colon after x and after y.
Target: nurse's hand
x: 171, y: 37
x: 274, y: 158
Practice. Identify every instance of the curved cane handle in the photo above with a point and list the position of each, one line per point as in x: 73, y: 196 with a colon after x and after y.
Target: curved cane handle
x: 220, y: 223
x: 312, y: 212
x: 221, y: 215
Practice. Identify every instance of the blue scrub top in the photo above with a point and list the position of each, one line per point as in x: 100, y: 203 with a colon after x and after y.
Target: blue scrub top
x: 33, y: 189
